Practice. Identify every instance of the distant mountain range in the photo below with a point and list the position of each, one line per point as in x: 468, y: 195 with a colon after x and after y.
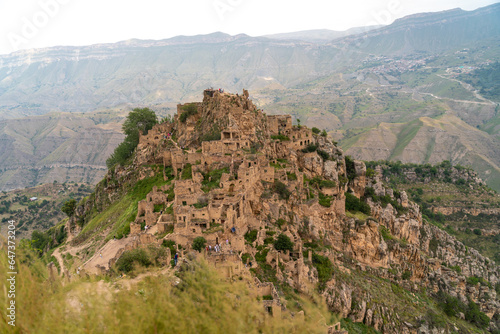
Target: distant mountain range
x: 321, y: 35
x: 82, y: 79
x: 351, y: 83
x: 430, y: 32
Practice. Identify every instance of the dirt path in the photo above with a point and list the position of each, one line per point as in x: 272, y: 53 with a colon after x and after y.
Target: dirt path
x: 58, y: 256
x: 469, y: 88
x: 107, y: 252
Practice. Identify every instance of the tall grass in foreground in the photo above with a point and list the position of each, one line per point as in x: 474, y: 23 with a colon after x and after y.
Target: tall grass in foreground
x: 201, y: 303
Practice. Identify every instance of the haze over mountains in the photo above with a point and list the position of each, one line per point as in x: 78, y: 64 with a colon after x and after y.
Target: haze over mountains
x: 321, y: 35
x: 391, y: 92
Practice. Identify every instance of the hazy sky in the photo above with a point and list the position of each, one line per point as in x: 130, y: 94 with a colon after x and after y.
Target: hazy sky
x: 26, y: 24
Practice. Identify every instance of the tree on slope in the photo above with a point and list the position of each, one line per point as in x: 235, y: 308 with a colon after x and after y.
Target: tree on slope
x: 138, y: 121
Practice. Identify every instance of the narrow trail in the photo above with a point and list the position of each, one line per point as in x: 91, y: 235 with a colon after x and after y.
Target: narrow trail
x: 58, y: 256
x: 447, y: 98
x: 469, y: 88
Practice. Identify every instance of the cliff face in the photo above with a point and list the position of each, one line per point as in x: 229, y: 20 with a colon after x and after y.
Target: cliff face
x: 249, y: 182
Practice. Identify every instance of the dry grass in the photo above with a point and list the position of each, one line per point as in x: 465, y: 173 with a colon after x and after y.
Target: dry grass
x: 201, y: 303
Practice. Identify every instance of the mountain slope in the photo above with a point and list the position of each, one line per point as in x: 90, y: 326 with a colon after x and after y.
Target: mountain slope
x: 429, y: 32
x: 430, y: 140
x: 42, y: 213
x: 56, y: 146
x: 86, y: 78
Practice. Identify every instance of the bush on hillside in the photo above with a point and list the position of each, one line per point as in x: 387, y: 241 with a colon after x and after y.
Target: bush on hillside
x: 199, y: 244
x: 283, y: 243
x: 138, y: 121
x: 352, y: 203
x: 133, y: 257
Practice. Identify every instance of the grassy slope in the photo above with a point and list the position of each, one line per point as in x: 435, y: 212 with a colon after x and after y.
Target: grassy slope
x: 404, y: 137
x: 115, y: 219
x: 433, y: 140
x: 202, y: 303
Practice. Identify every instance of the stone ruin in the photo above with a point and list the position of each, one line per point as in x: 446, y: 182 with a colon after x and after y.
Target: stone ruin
x: 250, y: 147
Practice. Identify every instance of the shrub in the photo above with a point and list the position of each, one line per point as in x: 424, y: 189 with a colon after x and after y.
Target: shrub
x: 280, y: 137
x: 385, y: 233
x: 324, y: 200
x: 138, y: 120
x: 324, y: 133
x: 136, y: 256
x: 315, y: 130
x: 475, y: 316
x: 199, y: 243
x: 323, y: 154
x: 170, y: 209
x: 213, y: 134
x: 350, y: 168
x: 268, y: 240
x: 433, y: 245
x: 187, y: 172
x: 473, y: 280
x: 283, y: 243
x: 352, y: 203
x: 39, y: 241
x: 69, y: 207
x: 251, y: 236
x: 324, y: 267
x: 202, y: 203
x: 370, y: 172
x: 310, y: 148
x: 159, y: 207
x: 261, y: 255
x: 280, y: 222
x: 245, y: 257
x: 406, y: 275
x: 189, y: 110
x: 281, y: 189
x: 170, y: 244
x: 477, y: 231
x: 449, y: 304
x: 320, y: 183
x: 211, y: 180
